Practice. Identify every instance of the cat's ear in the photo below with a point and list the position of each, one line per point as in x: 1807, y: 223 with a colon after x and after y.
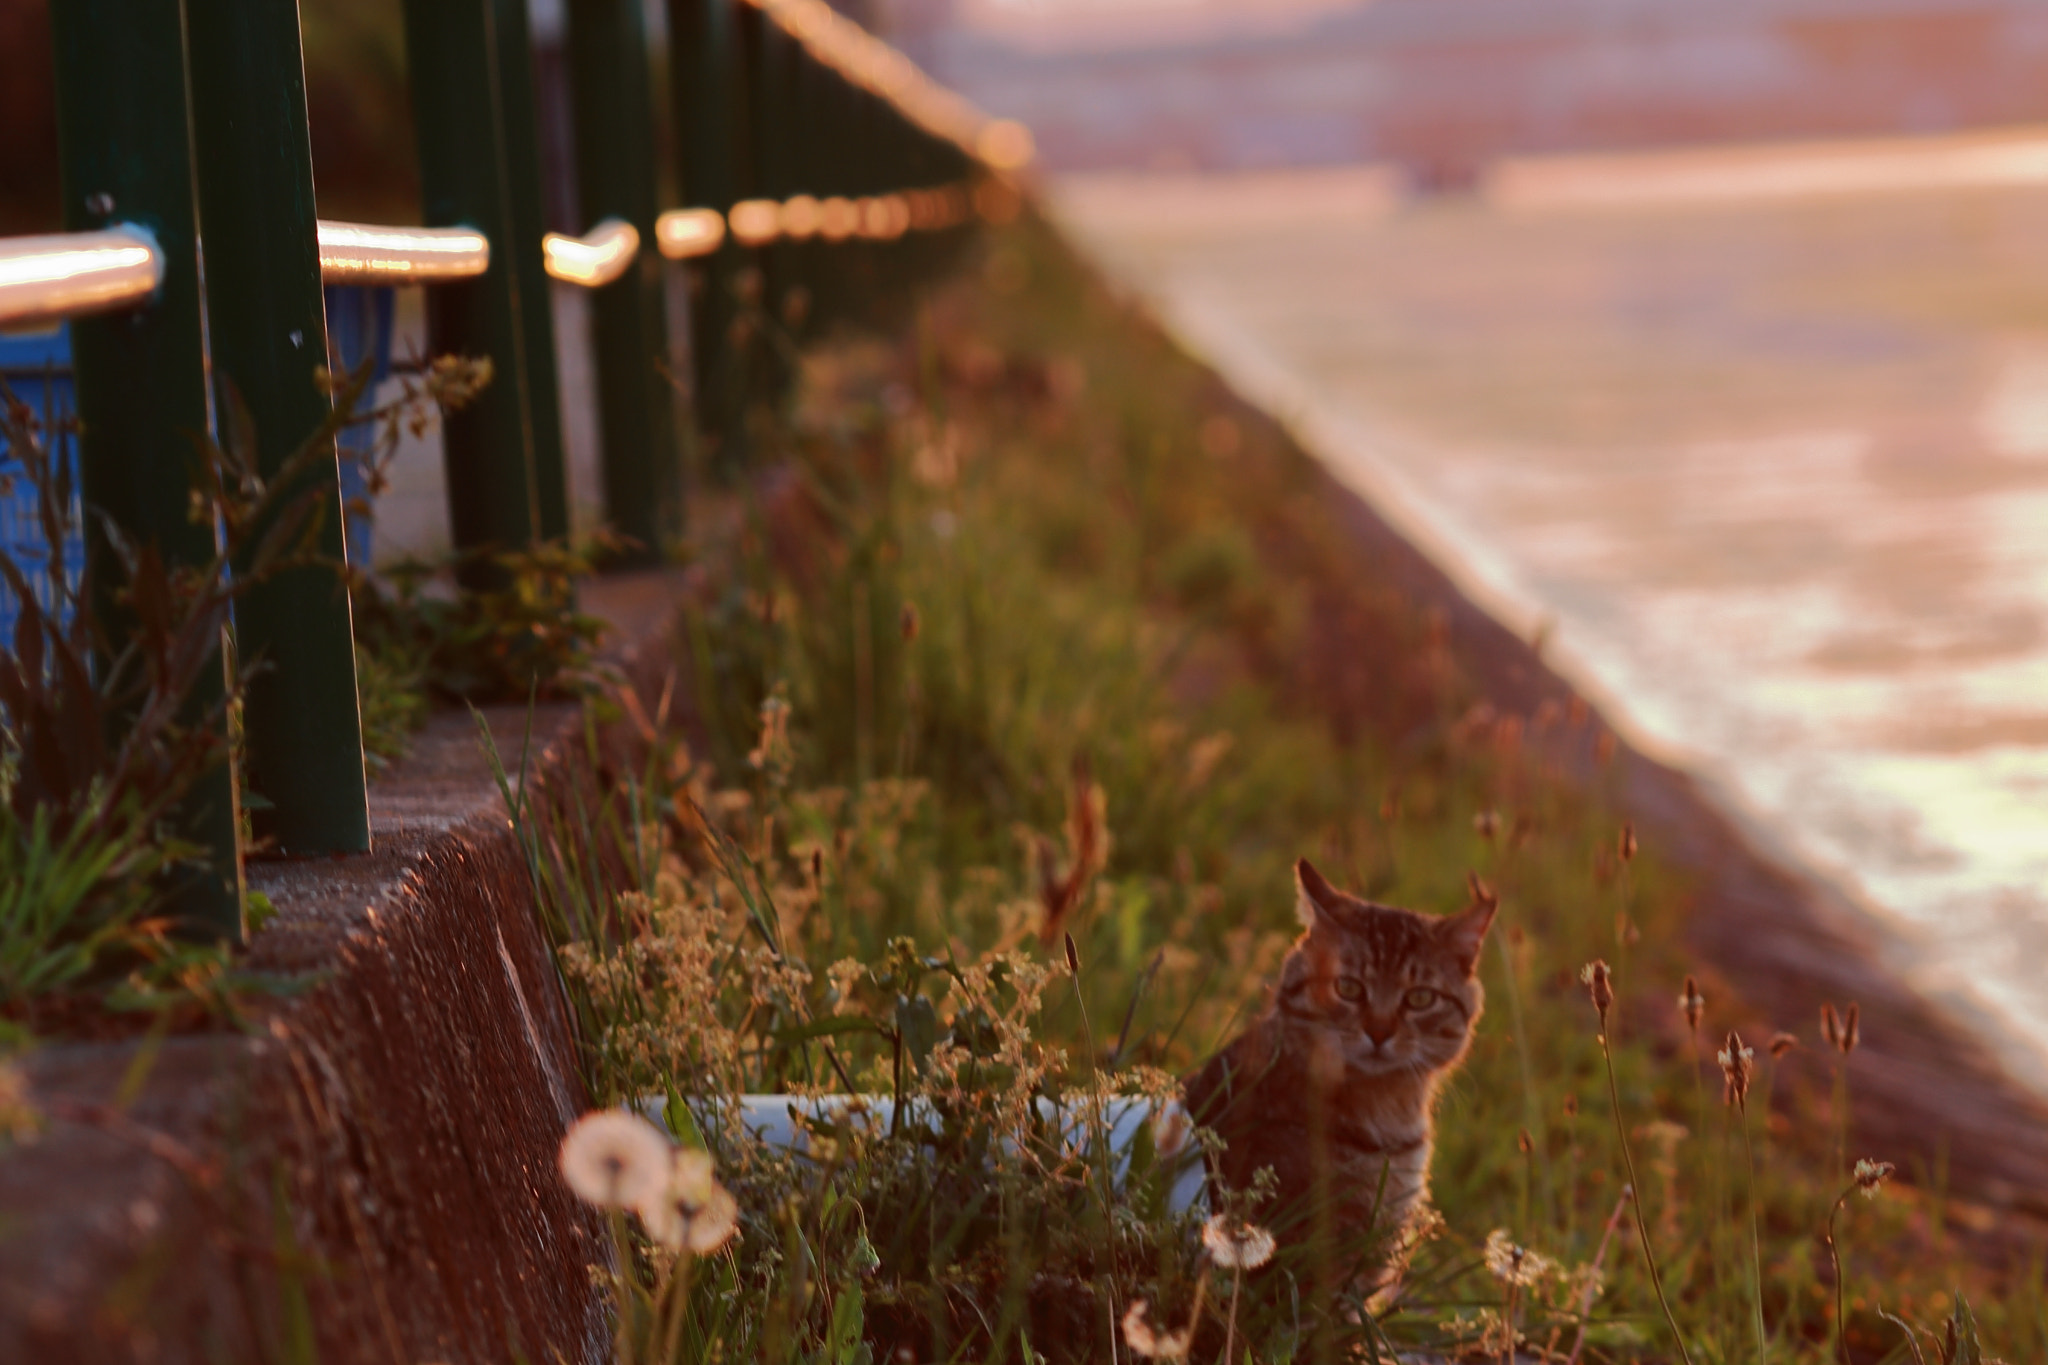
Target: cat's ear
x: 1465, y: 932
x: 1315, y: 898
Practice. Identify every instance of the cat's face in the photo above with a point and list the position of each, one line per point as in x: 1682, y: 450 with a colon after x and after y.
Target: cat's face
x: 1378, y: 990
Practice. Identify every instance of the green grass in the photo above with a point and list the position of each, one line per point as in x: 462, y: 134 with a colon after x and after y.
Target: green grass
x: 1029, y: 590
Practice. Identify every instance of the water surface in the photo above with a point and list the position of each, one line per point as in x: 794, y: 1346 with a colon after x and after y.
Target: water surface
x: 1772, y: 469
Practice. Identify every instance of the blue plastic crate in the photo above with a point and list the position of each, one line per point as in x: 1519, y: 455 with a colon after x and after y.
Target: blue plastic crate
x: 359, y: 320
x: 37, y: 368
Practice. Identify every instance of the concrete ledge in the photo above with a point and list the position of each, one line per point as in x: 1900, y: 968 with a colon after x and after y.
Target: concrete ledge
x: 367, y: 1164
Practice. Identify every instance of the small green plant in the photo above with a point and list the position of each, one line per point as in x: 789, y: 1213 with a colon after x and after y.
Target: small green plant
x: 86, y: 845
x: 522, y: 637
x: 104, y: 740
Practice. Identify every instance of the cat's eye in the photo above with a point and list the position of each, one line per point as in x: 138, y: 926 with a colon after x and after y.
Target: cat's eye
x: 1419, y: 998
x: 1350, y: 988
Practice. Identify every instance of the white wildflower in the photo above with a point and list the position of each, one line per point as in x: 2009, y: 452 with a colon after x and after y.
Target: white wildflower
x: 1237, y: 1245
x: 1511, y: 1264
x: 1143, y: 1340
x: 1170, y: 1131
x: 614, y: 1159
x: 1871, y: 1174
x: 691, y: 1211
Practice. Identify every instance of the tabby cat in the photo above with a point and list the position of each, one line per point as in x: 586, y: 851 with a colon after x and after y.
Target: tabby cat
x: 1333, y: 1084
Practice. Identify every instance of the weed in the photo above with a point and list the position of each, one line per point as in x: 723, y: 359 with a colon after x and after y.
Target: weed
x: 492, y: 644
x: 996, y: 738
x: 102, y: 743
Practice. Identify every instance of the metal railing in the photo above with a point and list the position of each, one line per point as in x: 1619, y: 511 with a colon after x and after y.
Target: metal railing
x: 76, y: 274
x: 360, y: 253
x: 684, y: 234
x: 596, y: 258
x: 811, y: 157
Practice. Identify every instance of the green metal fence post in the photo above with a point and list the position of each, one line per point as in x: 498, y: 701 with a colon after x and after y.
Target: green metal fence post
x: 494, y: 496
x: 801, y: 80
x: 615, y: 173
x: 141, y: 375
x: 521, y: 126
x: 767, y: 49
x: 705, y: 106
x: 860, y: 258
x: 825, y: 106
x: 267, y: 331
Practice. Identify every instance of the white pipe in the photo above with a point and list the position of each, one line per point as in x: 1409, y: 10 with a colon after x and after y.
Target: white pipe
x: 683, y: 233
x: 45, y: 279
x: 363, y: 253
x: 771, y: 1120
x: 594, y: 259
x: 755, y: 222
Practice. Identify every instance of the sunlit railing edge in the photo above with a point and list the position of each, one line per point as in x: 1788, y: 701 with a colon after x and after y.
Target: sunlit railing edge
x: 681, y: 234
x: 1000, y: 144
x: 367, y: 253
x: 596, y: 258
x: 49, y: 277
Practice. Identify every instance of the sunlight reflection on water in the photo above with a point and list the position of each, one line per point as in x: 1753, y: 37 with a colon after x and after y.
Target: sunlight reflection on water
x: 1777, y: 471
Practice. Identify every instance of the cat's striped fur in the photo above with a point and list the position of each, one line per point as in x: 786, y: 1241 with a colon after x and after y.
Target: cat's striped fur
x: 1334, y: 1084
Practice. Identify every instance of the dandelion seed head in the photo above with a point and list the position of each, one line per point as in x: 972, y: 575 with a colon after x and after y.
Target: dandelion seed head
x: 690, y: 1174
x: 614, y: 1159
x: 1872, y: 1174
x: 1512, y: 1264
x: 691, y: 1212
x: 1237, y: 1245
x: 1143, y: 1340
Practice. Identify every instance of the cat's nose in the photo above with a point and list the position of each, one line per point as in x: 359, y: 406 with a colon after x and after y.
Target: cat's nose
x: 1379, y: 1031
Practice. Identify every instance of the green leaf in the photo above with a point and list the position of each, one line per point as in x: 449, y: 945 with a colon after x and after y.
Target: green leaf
x: 1959, y: 1344
x: 918, y: 1024
x: 681, y: 1122
x: 849, y: 1317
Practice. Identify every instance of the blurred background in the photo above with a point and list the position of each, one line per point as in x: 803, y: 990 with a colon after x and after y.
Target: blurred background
x: 1442, y: 87
x: 1439, y: 88
x: 1707, y: 342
